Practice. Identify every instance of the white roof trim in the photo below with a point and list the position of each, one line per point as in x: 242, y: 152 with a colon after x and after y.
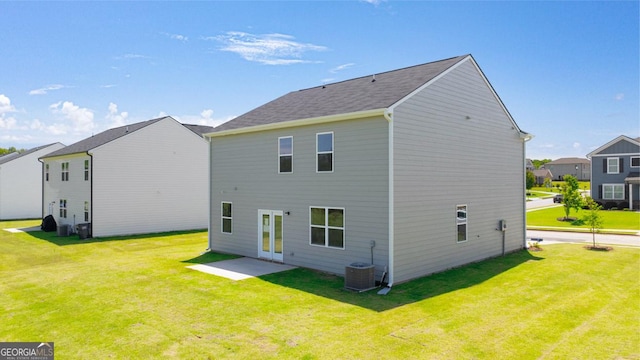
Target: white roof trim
x: 299, y: 122
x: 618, y: 139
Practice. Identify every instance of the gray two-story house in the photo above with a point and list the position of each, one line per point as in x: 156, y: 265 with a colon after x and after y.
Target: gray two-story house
x: 387, y: 169
x: 615, y: 173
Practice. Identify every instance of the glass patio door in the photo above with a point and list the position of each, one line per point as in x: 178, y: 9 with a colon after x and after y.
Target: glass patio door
x: 270, y: 235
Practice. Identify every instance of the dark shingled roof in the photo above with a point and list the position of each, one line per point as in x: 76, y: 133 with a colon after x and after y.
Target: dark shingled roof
x: 115, y: 133
x: 10, y: 157
x: 344, y: 97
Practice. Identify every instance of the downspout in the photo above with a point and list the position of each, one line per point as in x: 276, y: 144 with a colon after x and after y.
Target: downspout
x: 525, y: 137
x: 210, y: 186
x: 389, y: 116
x: 90, y: 193
x: 41, y: 188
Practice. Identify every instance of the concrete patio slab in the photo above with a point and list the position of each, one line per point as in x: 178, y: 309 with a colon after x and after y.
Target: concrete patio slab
x: 241, y: 268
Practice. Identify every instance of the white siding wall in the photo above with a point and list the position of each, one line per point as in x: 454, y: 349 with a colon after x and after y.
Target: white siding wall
x: 442, y: 159
x: 245, y: 172
x: 76, y: 191
x: 151, y: 180
x: 21, y: 185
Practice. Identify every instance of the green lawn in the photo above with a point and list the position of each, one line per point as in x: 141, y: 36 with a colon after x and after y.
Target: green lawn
x: 613, y: 219
x: 127, y: 298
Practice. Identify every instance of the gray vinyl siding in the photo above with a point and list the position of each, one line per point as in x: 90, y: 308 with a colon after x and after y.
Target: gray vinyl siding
x: 245, y: 173
x: 620, y: 147
x: 443, y: 159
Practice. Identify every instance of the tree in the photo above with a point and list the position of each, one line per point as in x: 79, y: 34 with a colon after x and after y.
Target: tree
x: 538, y: 163
x: 531, y: 179
x: 571, y: 198
x: 593, y: 218
x: 547, y: 183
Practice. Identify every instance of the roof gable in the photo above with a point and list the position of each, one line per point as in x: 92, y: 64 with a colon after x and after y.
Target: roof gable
x: 371, y: 92
x: 10, y: 157
x: 568, y: 161
x: 633, y: 143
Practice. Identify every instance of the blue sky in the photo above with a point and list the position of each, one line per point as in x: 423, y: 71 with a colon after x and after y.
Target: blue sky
x: 568, y: 72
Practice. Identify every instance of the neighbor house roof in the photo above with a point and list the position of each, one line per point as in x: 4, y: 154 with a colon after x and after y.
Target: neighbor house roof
x: 10, y: 157
x: 635, y: 141
x: 569, y: 161
x: 112, y: 134
x: 375, y: 91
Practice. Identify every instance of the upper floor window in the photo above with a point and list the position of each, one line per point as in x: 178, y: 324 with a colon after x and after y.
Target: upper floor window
x: 227, y: 217
x: 613, y: 165
x: 86, y: 170
x: 65, y: 171
x: 461, y: 222
x: 285, y: 154
x: 46, y: 172
x: 635, y: 161
x: 324, y: 152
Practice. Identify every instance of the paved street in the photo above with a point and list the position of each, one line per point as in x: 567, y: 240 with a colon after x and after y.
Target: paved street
x: 557, y: 236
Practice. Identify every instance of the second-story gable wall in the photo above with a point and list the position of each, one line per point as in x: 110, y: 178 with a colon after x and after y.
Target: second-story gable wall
x: 74, y: 188
x: 245, y: 173
x: 623, y: 151
x: 442, y: 139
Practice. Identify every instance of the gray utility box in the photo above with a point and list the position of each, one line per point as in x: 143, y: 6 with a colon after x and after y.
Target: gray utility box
x: 360, y: 276
x: 84, y: 230
x: 63, y: 230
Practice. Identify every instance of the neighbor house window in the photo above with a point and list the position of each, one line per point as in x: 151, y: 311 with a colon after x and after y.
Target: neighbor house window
x: 86, y: 211
x: 65, y: 171
x: 46, y: 172
x: 327, y: 227
x: 613, y: 165
x: 613, y: 191
x: 461, y: 222
x: 324, y: 152
x: 86, y: 170
x: 227, y: 217
x: 285, y: 155
x: 635, y: 161
x: 63, y: 208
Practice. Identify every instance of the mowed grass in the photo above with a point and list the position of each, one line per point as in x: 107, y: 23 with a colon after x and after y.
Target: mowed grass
x: 130, y: 298
x: 612, y: 219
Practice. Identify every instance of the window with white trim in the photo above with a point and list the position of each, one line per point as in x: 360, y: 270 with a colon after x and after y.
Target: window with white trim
x: 63, y: 208
x: 324, y: 152
x: 326, y: 227
x: 285, y: 154
x: 86, y: 211
x: 635, y: 161
x: 65, y: 171
x: 227, y: 217
x: 461, y: 222
x: 613, y: 165
x: 86, y: 170
x: 613, y: 191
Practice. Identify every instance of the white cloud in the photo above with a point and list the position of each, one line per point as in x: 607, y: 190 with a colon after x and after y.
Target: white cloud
x: 176, y: 37
x: 81, y: 118
x: 619, y: 97
x: 130, y: 56
x: 46, y: 89
x: 116, y: 119
x: 8, y: 123
x: 205, y: 118
x: 373, y: 2
x: 108, y: 86
x: 269, y: 49
x: 341, y: 67
x: 5, y: 104
x: 576, y: 145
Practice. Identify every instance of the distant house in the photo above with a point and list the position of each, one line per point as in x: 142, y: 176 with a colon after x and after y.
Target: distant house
x: 140, y: 178
x: 529, y: 165
x: 615, y: 175
x: 578, y: 167
x: 20, y: 183
x: 387, y: 169
x: 541, y: 175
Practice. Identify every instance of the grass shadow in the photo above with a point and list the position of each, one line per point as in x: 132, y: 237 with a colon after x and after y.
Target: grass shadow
x: 209, y: 257
x: 332, y: 286
x: 74, y: 239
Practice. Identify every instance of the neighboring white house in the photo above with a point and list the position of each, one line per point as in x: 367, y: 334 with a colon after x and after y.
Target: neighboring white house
x: 140, y: 178
x: 20, y: 185
x: 389, y: 169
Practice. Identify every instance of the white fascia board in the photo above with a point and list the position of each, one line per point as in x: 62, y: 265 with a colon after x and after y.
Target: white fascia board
x: 299, y: 122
